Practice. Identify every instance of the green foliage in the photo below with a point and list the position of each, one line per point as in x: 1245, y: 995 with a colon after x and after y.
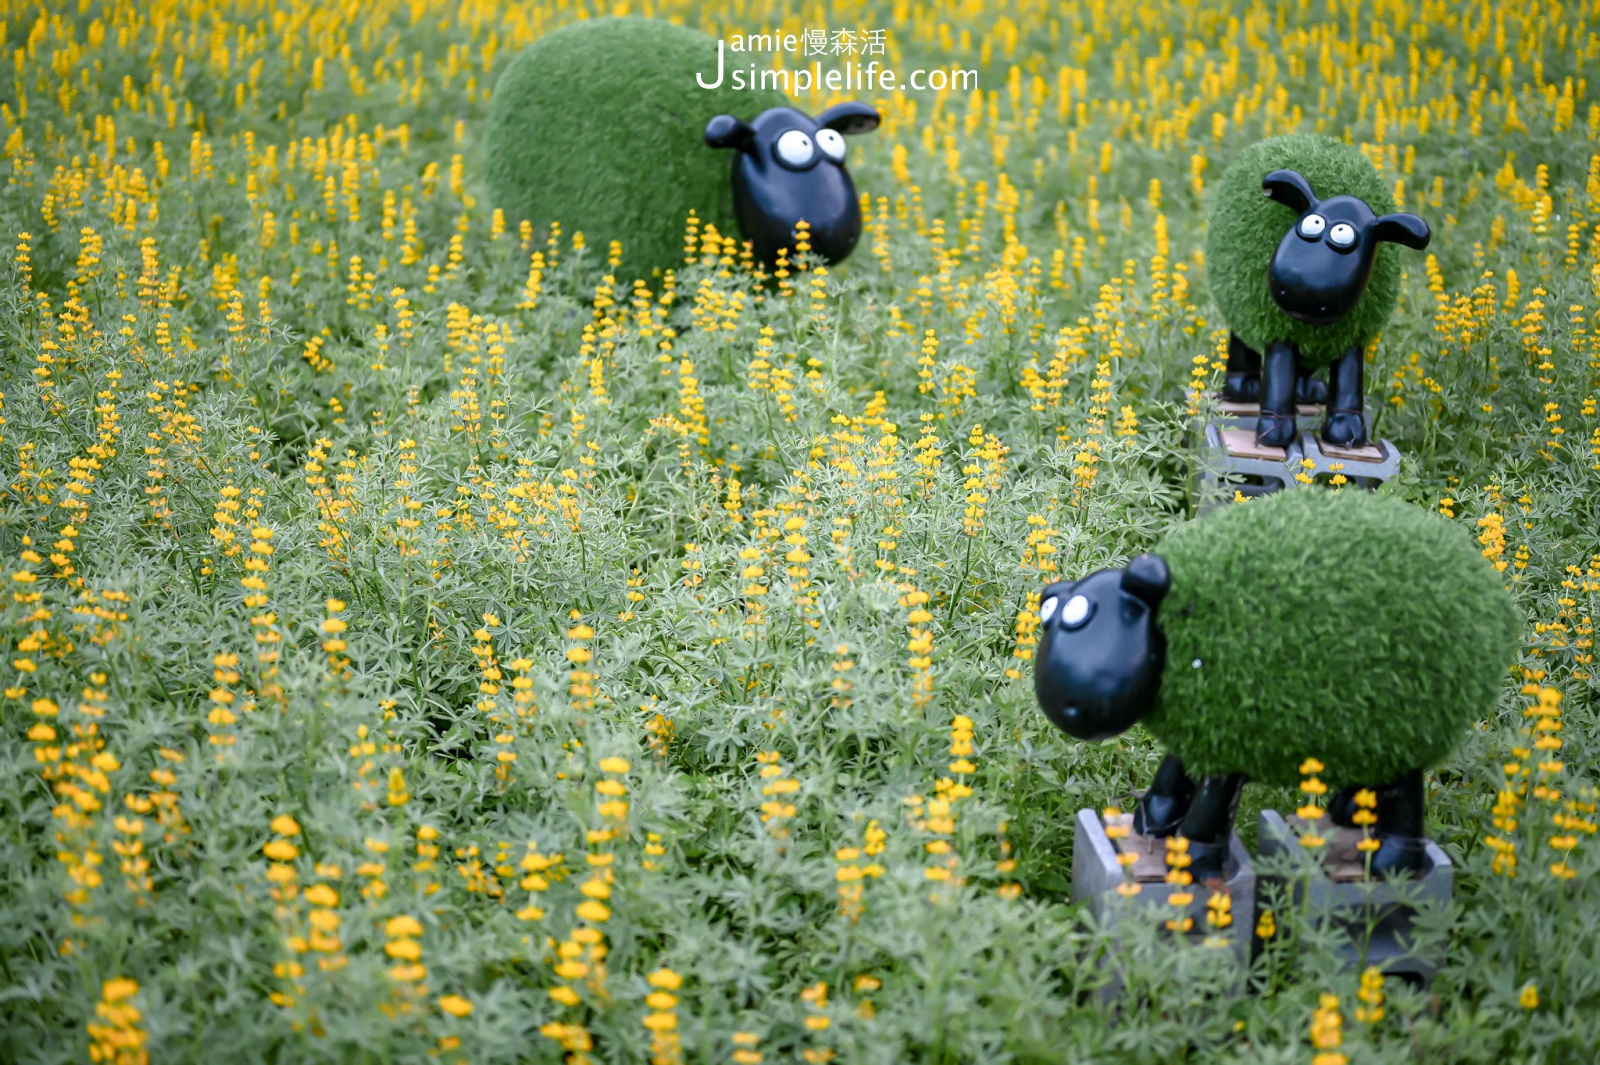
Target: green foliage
x: 1353, y: 628
x: 570, y: 462
x: 600, y: 126
x: 1244, y: 230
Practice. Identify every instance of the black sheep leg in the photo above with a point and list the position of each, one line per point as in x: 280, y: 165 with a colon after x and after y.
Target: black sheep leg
x: 1346, y: 424
x: 1162, y: 808
x: 1209, y: 823
x: 1242, y: 384
x: 1310, y: 390
x: 1342, y: 807
x: 1280, y: 372
x: 1401, y: 832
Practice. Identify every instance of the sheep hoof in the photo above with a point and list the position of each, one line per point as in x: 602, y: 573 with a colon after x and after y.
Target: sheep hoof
x: 1207, y: 861
x: 1159, y: 815
x: 1311, y: 391
x: 1345, y: 428
x: 1242, y: 388
x: 1276, y: 430
x: 1397, y: 856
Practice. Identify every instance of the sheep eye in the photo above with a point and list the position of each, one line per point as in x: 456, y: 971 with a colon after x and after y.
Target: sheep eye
x: 1342, y: 235
x: 1047, y: 609
x: 1077, y: 611
x: 1312, y: 225
x: 831, y: 141
x: 795, y: 149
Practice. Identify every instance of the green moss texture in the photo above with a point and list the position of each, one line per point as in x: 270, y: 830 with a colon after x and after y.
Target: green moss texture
x: 1345, y: 626
x: 600, y: 126
x: 1244, y: 228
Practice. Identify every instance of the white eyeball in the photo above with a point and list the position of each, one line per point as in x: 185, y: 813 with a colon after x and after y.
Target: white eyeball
x: 831, y: 141
x: 1342, y: 235
x: 1076, y: 612
x: 796, y: 149
x: 1047, y: 609
x: 1312, y: 225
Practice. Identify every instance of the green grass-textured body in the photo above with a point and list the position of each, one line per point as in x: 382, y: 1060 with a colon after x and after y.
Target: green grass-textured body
x: 1344, y: 626
x: 1245, y: 228
x: 600, y: 126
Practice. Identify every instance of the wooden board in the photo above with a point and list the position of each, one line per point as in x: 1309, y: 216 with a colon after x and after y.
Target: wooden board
x: 1151, y: 850
x: 1341, y: 859
x: 1235, y: 409
x: 1370, y: 453
x: 1242, y: 442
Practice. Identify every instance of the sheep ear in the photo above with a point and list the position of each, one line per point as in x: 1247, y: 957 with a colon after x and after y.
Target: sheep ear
x: 1405, y: 229
x: 725, y: 131
x: 1147, y: 577
x: 849, y: 117
x: 1289, y: 189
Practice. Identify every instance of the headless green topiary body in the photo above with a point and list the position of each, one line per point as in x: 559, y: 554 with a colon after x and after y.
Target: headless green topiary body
x: 601, y: 126
x: 1244, y: 230
x: 1342, y: 626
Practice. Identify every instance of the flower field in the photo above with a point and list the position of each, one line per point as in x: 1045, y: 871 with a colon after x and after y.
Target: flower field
x: 434, y: 637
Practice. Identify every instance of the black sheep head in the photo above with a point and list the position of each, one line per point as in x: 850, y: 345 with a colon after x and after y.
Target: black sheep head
x: 1101, y: 653
x: 787, y: 167
x: 1323, y: 263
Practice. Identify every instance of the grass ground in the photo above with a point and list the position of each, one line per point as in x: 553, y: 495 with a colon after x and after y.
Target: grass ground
x: 426, y: 639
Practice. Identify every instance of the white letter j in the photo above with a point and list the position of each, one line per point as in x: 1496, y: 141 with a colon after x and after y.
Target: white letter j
x: 702, y: 81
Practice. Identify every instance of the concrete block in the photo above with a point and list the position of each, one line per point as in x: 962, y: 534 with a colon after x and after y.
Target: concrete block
x: 1337, y: 894
x: 1097, y: 874
x: 1231, y: 460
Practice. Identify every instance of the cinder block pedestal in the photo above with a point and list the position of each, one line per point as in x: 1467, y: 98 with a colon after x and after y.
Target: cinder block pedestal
x: 1096, y: 875
x: 1338, y: 895
x: 1233, y: 461
x: 1363, y: 467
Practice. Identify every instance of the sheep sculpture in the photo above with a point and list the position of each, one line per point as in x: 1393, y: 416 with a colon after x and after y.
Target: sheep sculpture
x: 1305, y: 278
x: 601, y: 126
x: 1372, y: 633
x: 787, y: 167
